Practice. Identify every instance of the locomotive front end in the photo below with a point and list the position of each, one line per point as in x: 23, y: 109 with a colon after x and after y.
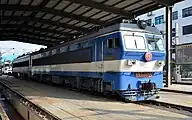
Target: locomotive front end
x: 141, y: 70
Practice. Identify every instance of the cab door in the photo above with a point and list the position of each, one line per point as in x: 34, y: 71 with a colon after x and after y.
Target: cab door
x: 99, y: 58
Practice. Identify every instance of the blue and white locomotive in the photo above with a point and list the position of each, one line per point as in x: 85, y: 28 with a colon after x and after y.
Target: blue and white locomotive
x: 126, y: 59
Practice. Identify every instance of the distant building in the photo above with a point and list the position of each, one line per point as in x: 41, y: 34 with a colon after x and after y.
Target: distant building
x: 182, y: 14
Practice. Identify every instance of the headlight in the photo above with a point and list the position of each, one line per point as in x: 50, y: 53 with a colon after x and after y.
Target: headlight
x: 160, y: 63
x: 131, y: 62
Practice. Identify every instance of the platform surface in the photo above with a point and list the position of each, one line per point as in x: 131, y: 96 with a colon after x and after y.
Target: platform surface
x: 70, y: 105
x: 176, y: 98
x: 179, y: 87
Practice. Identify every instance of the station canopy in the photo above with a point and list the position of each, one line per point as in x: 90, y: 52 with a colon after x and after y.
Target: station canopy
x: 50, y: 22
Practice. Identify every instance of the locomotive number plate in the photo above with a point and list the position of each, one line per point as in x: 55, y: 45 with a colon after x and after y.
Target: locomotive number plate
x: 143, y: 75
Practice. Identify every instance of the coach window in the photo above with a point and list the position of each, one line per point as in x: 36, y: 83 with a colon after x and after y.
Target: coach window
x: 54, y: 52
x: 47, y: 53
x: 43, y: 54
x: 63, y: 49
x: 79, y: 45
x: 73, y: 47
x: 85, y: 44
x: 58, y: 50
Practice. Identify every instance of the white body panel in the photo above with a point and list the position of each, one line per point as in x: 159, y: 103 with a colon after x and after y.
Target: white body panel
x: 109, y: 66
x: 21, y: 69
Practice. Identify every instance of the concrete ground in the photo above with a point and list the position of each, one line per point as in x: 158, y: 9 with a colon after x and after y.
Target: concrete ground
x: 69, y: 105
x: 176, y: 98
x: 179, y: 87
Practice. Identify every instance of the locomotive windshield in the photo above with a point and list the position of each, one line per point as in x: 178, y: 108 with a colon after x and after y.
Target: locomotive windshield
x: 134, y: 42
x: 155, y: 43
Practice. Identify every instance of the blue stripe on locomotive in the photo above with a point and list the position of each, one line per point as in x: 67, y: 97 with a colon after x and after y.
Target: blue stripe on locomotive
x: 140, y: 55
x: 118, y: 80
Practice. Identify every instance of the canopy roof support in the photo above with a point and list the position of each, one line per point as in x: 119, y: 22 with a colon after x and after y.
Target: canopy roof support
x: 168, y: 44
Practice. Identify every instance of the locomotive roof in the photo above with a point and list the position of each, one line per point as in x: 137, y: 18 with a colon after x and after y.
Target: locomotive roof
x: 117, y: 27
x: 21, y: 58
x: 120, y: 27
x: 49, y: 22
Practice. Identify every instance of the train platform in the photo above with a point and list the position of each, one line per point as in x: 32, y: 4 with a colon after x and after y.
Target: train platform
x: 176, y: 98
x: 3, y: 114
x: 179, y: 88
x: 71, y: 105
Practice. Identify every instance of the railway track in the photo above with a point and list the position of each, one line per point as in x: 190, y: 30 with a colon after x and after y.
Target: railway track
x: 168, y: 106
x: 177, y: 91
x: 151, y: 103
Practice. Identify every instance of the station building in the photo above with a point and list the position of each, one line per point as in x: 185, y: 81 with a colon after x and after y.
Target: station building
x: 182, y: 16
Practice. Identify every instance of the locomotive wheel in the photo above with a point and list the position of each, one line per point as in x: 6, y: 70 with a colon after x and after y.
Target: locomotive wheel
x: 108, y: 94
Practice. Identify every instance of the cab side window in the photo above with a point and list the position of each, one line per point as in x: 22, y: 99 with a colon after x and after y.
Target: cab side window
x: 113, y: 43
x: 110, y: 43
x: 116, y: 43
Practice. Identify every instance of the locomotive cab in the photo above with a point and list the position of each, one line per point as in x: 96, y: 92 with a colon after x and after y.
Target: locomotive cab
x: 142, y: 61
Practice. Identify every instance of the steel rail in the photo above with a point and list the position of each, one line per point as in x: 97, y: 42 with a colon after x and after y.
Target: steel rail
x: 177, y: 91
x: 185, y: 110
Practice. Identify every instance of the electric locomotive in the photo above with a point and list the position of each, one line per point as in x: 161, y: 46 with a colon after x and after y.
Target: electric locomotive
x: 126, y: 59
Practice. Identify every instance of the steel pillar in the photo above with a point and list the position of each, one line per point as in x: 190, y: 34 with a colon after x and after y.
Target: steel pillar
x: 178, y: 67
x: 168, y: 44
